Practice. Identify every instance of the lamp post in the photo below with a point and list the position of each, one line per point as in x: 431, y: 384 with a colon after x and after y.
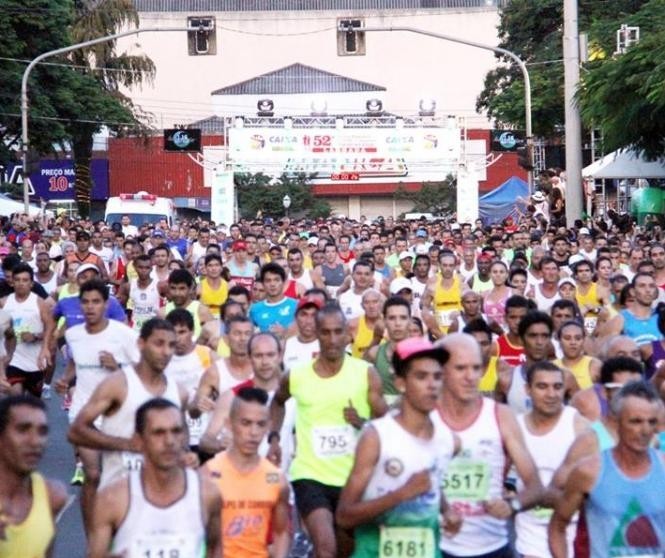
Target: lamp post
x: 499, y: 50
x: 286, y: 202
x: 25, y: 142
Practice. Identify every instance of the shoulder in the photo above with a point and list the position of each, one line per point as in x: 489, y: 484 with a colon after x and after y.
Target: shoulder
x: 75, y: 333
x: 114, y: 498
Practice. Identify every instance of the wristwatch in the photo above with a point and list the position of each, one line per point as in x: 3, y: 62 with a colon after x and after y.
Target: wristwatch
x: 515, y: 505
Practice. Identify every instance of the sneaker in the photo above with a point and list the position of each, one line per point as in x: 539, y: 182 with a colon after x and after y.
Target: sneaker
x: 79, y: 476
x: 66, y: 402
x: 301, y: 547
x: 46, y: 391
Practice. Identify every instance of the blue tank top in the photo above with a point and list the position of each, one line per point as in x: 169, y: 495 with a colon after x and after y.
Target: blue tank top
x: 640, y: 330
x: 605, y: 440
x: 626, y: 517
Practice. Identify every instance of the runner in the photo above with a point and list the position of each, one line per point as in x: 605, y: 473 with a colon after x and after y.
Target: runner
x: 45, y: 276
x: 621, y: 488
x: 277, y: 312
x: 142, y: 294
x: 490, y: 436
x: 393, y: 496
x: 242, y: 271
x: 254, y: 491
x: 117, y: 398
x: 549, y: 429
x: 493, y: 366
x: 335, y: 394
x: 509, y: 347
x: 304, y: 346
x: 584, y: 368
x: 161, y: 509
x: 29, y: 502
x: 28, y: 353
x: 213, y: 290
x: 331, y: 273
x: 180, y: 294
x: 367, y: 329
x: 442, y: 297
x: 362, y: 279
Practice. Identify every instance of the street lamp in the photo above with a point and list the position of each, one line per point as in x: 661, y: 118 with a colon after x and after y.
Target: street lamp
x: 286, y: 202
x: 25, y: 142
x: 505, y: 52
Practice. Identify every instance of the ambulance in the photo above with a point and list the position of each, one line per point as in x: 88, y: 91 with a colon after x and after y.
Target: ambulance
x: 141, y: 208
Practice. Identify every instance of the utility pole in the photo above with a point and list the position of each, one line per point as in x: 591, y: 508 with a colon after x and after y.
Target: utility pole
x: 571, y: 69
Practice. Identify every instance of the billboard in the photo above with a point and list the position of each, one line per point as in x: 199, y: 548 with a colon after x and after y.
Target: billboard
x: 507, y: 140
x: 182, y: 141
x: 355, y: 154
x: 55, y: 179
x: 222, y: 198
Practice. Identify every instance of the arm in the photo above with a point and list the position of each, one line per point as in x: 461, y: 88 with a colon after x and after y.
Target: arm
x: 210, y: 441
x: 578, y: 486
x: 46, y: 315
x: 277, y: 412
x: 426, y: 307
x: 280, y: 524
x: 213, y: 503
x: 110, y: 393
x: 352, y: 510
x: 317, y: 278
x: 109, y: 508
x: 377, y: 404
x: 533, y: 492
x: 613, y: 327
x: 505, y: 380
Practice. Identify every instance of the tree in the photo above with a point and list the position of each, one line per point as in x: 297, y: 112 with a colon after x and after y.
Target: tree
x: 102, y: 102
x: 433, y: 197
x: 533, y: 30
x: 624, y: 95
x: 28, y: 28
x: 260, y: 194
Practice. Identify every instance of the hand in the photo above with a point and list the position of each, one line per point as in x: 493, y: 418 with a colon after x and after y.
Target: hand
x: 278, y: 330
x: 498, y: 508
x: 418, y: 484
x: 205, y: 404
x: 451, y: 523
x: 190, y: 459
x: 107, y: 360
x: 274, y: 453
x: 352, y: 417
x: 27, y: 337
x: 61, y: 386
x: 44, y: 359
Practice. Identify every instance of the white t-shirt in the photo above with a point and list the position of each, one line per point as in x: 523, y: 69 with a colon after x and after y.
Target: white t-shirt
x: 296, y: 352
x: 130, y: 230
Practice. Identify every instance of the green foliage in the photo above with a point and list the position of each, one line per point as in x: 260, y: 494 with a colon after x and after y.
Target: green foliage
x: 261, y: 195
x: 434, y: 197
x: 624, y: 95
x: 534, y: 31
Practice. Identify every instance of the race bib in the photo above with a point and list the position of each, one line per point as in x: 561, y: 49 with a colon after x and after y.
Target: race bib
x: 467, y: 480
x: 406, y: 542
x: 162, y: 545
x: 195, y: 426
x: 132, y: 461
x: 333, y: 441
x: 543, y: 514
x: 444, y: 317
x: 590, y: 324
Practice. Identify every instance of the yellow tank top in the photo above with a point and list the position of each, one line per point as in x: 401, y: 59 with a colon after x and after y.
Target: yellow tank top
x: 214, y: 298
x: 325, y: 441
x: 249, y: 499
x: 590, y: 298
x: 363, y: 339
x: 32, y: 537
x: 579, y: 370
x: 223, y: 348
x: 487, y: 383
x: 447, y: 301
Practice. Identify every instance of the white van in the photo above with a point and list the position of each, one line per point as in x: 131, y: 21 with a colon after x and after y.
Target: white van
x: 141, y: 208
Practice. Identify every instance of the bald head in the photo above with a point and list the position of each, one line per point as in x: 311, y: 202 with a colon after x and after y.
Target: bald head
x: 460, y: 343
x: 462, y: 370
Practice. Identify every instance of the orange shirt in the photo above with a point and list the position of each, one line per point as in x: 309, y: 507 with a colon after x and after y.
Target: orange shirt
x: 249, y: 499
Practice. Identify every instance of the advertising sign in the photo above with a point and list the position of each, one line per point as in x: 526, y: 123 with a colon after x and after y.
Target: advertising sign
x: 182, y: 141
x: 507, y: 140
x: 222, y: 197
x: 55, y: 179
x: 358, y: 154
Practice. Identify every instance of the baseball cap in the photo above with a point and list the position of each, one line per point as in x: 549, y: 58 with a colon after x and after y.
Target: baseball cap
x: 484, y: 257
x: 416, y: 347
x: 399, y: 284
x: 310, y: 300
x: 577, y: 258
x: 584, y: 232
x: 404, y: 255
x: 86, y: 267
x: 313, y: 241
x: 239, y: 245
x: 158, y: 233
x: 565, y: 280
x: 421, y: 233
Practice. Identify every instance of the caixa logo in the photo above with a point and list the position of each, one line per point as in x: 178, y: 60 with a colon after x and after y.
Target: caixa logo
x: 507, y: 140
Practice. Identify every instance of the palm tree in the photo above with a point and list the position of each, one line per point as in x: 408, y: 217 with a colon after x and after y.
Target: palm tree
x: 111, y: 71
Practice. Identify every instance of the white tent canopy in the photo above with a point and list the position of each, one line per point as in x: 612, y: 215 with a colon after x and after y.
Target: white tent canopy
x: 9, y: 206
x: 623, y: 164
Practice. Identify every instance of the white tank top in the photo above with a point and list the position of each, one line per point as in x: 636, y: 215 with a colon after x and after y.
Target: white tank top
x: 544, y: 303
x: 548, y: 452
x: 305, y: 279
x: 121, y: 424
x: 25, y: 319
x: 153, y: 531
x: 475, y: 475
x: 517, y: 398
x: 187, y: 370
x: 51, y: 285
x: 418, y: 290
x: 144, y: 303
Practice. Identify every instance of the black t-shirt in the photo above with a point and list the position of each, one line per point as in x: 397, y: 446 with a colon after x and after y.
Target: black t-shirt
x: 6, y: 290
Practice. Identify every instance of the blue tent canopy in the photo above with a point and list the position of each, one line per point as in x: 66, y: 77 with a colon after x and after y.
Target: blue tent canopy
x: 503, y: 201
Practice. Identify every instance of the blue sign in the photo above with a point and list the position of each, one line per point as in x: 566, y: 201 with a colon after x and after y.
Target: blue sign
x: 55, y: 179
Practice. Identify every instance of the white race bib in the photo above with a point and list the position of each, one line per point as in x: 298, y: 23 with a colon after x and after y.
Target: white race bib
x: 132, y: 461
x: 333, y: 441
x: 406, y: 542
x: 162, y: 545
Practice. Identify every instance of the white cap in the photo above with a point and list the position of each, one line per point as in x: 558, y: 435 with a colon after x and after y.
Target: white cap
x: 85, y: 267
x: 584, y: 231
x: 422, y: 250
x: 400, y: 283
x: 313, y: 241
x: 566, y: 280
x: 404, y: 255
x: 575, y: 259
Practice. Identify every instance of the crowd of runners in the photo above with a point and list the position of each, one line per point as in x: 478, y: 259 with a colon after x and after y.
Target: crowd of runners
x: 334, y: 388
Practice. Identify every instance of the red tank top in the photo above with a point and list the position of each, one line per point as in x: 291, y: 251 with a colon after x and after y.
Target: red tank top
x: 291, y: 289
x: 514, y: 356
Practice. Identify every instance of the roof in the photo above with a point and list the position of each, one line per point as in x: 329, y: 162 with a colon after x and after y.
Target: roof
x: 297, y: 78
x: 211, y: 125
x: 625, y: 163
x: 304, y: 5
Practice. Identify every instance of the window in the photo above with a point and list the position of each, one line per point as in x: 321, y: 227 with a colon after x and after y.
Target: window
x: 350, y: 38
x: 202, y: 37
